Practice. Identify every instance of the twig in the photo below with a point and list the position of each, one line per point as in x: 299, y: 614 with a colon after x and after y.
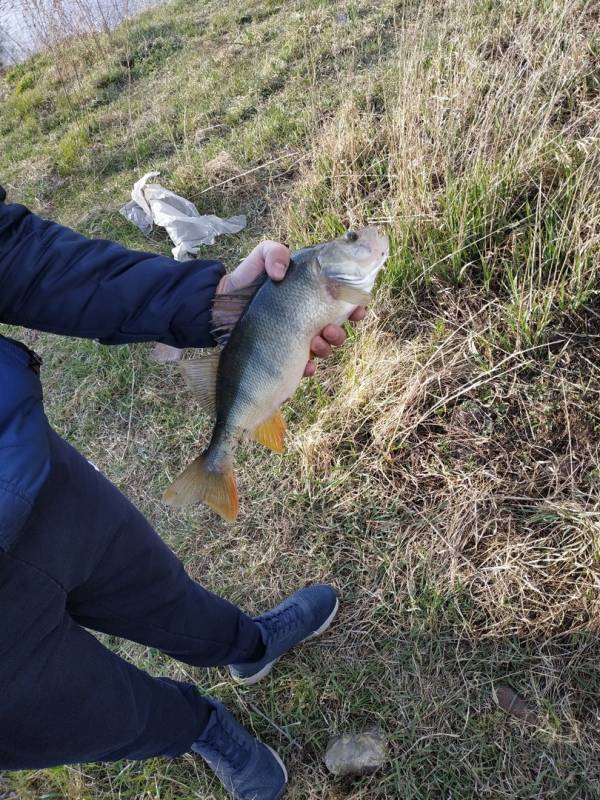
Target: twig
x: 254, y: 169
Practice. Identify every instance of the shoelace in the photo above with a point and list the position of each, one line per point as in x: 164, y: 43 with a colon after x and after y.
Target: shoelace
x: 280, y: 622
x: 226, y: 745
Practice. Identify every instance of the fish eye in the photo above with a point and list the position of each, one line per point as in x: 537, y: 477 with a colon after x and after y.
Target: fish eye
x: 351, y: 236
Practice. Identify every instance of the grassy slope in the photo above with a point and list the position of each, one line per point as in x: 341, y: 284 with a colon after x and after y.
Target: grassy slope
x: 443, y: 471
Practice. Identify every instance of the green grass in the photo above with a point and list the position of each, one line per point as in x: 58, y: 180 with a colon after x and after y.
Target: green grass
x: 443, y: 470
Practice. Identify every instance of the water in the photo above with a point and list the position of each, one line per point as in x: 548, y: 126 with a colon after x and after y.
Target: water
x: 22, y: 32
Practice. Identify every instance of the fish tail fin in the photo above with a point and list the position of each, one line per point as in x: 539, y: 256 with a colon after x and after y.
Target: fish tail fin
x: 272, y: 433
x: 199, y: 484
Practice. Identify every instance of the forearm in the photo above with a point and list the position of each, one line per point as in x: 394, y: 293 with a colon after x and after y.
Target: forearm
x: 56, y: 280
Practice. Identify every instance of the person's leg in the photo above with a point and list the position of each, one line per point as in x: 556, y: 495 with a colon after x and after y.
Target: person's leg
x: 139, y: 590
x: 65, y: 698
x: 119, y: 575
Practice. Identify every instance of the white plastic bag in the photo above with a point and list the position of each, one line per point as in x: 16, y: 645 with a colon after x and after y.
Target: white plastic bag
x: 138, y: 216
x: 152, y: 204
x: 188, y: 229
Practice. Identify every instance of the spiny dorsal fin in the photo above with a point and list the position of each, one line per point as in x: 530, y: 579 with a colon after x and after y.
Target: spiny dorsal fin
x: 229, y: 307
x: 272, y: 432
x: 201, y: 376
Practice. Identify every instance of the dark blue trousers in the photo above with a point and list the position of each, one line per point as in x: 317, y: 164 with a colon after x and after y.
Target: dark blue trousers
x: 88, y: 559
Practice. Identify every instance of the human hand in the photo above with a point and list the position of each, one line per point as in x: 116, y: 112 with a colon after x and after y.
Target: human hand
x: 274, y: 258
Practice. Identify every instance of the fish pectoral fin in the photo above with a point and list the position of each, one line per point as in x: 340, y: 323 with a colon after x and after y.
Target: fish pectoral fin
x: 201, y: 376
x: 198, y: 484
x: 271, y: 433
x: 348, y: 292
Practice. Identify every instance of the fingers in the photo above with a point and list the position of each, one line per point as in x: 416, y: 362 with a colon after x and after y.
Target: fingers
x: 334, y: 335
x: 268, y: 256
x: 310, y: 369
x: 331, y: 335
x: 359, y: 313
x: 276, y: 259
x: 320, y: 348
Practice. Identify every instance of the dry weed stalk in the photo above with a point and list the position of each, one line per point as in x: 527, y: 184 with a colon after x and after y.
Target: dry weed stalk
x: 471, y: 416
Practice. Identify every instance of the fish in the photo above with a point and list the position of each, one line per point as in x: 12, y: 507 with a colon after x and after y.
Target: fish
x: 264, y: 331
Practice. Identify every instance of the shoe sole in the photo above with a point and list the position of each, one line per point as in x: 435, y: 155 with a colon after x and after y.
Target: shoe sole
x: 258, y: 676
x: 277, y: 758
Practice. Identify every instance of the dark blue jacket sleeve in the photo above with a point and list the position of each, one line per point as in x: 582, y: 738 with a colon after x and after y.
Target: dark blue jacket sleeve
x: 56, y: 280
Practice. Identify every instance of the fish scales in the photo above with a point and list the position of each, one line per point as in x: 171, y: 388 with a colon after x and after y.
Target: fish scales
x: 264, y: 357
x: 268, y: 348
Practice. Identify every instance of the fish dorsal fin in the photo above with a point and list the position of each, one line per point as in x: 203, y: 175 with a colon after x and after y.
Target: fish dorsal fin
x: 229, y: 307
x: 201, y: 376
x: 271, y: 433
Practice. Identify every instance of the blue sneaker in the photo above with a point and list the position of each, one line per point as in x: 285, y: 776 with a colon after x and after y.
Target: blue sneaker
x: 247, y: 768
x: 305, y: 614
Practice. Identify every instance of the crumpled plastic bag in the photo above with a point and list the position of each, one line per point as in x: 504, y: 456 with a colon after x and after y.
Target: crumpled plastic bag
x: 138, y: 216
x: 152, y: 204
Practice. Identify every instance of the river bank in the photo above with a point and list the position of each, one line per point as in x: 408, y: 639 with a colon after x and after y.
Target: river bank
x: 27, y: 26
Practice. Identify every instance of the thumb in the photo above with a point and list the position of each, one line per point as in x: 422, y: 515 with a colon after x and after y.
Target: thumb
x: 276, y: 259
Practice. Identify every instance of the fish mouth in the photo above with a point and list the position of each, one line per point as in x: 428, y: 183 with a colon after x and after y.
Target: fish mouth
x: 378, y: 245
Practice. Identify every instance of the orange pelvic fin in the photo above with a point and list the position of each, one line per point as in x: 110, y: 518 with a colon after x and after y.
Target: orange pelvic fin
x: 272, y: 433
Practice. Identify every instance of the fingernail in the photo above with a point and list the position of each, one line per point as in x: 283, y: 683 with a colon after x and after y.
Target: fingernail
x: 279, y: 269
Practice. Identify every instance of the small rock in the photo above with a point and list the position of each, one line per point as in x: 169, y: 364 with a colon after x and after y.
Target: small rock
x: 164, y: 353
x: 30, y: 338
x: 510, y: 702
x: 356, y: 754
x: 342, y: 18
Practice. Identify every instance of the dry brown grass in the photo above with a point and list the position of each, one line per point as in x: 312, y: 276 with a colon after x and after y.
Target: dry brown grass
x: 496, y: 468
x: 477, y: 144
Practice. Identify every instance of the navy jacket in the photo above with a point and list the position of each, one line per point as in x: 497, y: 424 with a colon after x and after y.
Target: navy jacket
x: 53, y: 279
